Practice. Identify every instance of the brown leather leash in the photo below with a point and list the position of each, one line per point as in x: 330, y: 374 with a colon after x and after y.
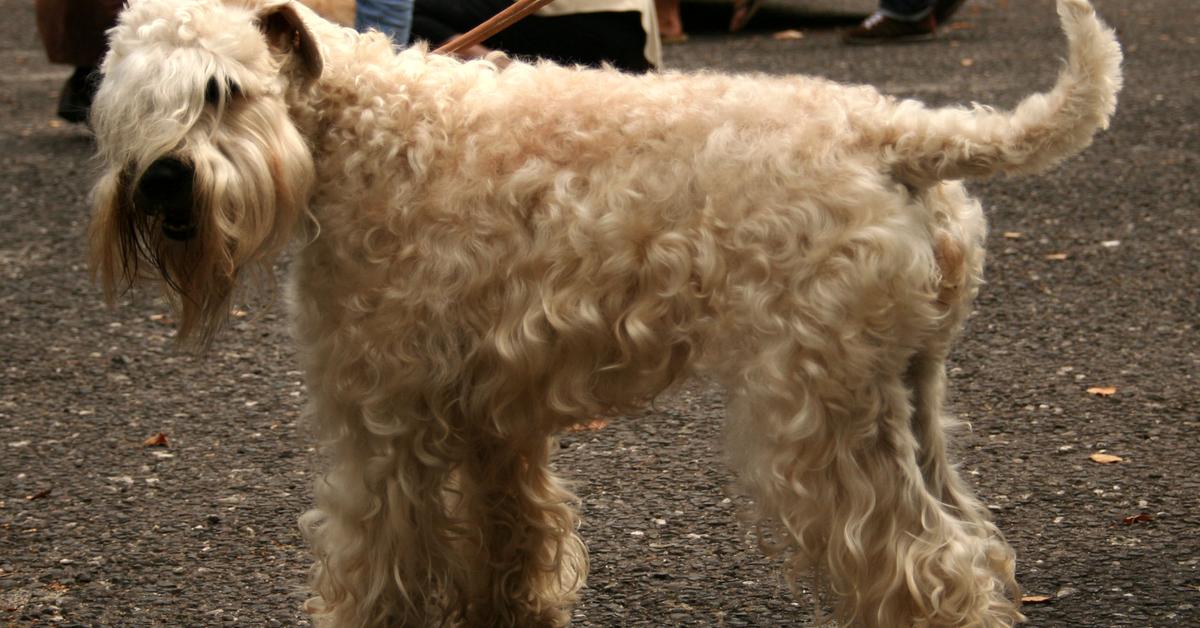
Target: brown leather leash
x: 498, y: 22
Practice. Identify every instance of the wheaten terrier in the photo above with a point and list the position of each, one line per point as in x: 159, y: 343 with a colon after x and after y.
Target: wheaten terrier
x: 487, y: 256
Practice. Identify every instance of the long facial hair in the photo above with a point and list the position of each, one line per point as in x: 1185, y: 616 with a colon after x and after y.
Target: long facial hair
x: 253, y: 174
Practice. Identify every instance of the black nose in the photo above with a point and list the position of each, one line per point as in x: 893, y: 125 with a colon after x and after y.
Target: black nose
x: 167, y: 180
x: 166, y: 189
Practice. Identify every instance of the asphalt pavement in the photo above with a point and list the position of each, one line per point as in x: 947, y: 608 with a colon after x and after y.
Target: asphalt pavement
x: 1084, y: 343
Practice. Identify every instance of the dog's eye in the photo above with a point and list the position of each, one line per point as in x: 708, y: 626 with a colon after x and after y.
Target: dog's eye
x: 212, y: 91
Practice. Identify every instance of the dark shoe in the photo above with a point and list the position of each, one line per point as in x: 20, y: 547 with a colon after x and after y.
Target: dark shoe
x: 881, y: 29
x: 75, y: 101
x: 943, y: 10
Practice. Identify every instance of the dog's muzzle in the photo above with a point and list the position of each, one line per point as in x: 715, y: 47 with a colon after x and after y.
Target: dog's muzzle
x: 166, y: 189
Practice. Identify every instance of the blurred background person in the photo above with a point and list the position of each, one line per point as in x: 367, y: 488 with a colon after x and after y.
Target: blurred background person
x: 622, y: 33
x: 390, y: 17
x: 899, y: 21
x: 670, y: 24
x: 73, y: 33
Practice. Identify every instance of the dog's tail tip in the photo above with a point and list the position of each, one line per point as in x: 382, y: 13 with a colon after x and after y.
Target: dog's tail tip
x: 1094, y: 49
x: 1044, y: 128
x: 1084, y: 98
x: 1075, y: 7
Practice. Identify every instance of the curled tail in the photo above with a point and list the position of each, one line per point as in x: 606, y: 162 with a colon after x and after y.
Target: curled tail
x: 930, y: 146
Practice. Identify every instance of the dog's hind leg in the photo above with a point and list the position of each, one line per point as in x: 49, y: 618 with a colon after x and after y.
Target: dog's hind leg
x: 959, y: 265
x: 926, y: 378
x: 833, y: 466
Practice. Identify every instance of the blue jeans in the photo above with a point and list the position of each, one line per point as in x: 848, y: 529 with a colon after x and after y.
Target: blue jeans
x: 906, y: 10
x: 390, y: 17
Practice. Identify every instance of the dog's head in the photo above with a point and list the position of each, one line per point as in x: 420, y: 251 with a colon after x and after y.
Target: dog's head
x: 205, y: 175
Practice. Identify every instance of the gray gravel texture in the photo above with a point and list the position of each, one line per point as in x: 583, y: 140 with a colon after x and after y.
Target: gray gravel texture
x: 97, y: 530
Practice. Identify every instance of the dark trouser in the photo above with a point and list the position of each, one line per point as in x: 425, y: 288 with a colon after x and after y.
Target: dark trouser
x: 906, y: 9
x: 584, y: 38
x: 72, y: 31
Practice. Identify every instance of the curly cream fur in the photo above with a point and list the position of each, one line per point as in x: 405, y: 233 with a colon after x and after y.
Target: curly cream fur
x: 489, y: 256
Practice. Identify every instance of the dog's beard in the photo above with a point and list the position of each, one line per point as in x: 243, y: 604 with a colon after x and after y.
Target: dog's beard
x: 252, y: 178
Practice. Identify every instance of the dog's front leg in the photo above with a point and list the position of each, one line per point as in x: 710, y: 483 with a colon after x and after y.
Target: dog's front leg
x: 388, y: 543
x: 527, y: 560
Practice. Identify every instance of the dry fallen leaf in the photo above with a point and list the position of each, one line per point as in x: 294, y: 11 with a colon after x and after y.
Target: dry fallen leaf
x: 790, y: 34
x: 158, y: 440
x: 1013, y: 235
x: 959, y: 26
x: 1056, y: 257
x: 593, y: 425
x: 1106, y: 458
x: 1138, y: 518
x: 1102, y: 391
x: 967, y: 62
x: 162, y: 318
x: 1035, y: 599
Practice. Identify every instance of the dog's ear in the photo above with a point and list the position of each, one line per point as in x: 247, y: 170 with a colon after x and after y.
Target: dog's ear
x: 286, y: 33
